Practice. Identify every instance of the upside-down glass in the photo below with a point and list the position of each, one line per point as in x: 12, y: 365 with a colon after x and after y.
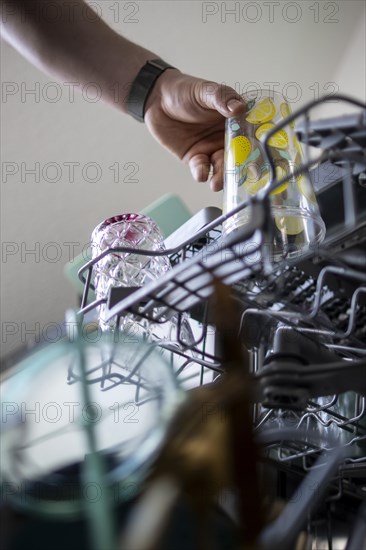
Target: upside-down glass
x: 122, y: 268
x: 131, y: 269
x: 297, y: 221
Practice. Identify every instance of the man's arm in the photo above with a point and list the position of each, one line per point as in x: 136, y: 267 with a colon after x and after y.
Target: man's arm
x: 77, y: 47
x: 185, y: 114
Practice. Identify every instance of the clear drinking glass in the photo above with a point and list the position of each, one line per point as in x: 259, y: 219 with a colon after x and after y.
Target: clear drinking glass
x: 131, y: 269
x: 124, y: 268
x: 297, y: 221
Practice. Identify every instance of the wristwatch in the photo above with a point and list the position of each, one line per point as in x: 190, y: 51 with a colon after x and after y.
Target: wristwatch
x: 143, y: 85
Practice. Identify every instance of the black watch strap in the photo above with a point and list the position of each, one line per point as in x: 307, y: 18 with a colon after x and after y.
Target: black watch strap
x: 143, y: 85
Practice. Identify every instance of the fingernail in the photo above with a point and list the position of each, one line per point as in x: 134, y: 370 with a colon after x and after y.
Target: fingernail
x: 200, y: 173
x: 233, y: 104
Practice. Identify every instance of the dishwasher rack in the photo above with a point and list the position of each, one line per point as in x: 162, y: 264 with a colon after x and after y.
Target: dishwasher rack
x: 303, y: 321
x: 302, y: 328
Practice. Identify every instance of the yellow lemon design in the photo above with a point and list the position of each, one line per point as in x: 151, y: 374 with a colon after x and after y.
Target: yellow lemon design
x: 263, y: 112
x: 278, y: 140
x: 263, y: 130
x: 240, y: 148
x: 306, y: 189
x: 285, y: 112
x: 291, y: 225
x: 252, y: 184
x: 298, y: 146
x: 280, y: 173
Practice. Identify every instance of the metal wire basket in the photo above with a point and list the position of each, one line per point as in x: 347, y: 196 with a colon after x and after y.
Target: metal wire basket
x: 302, y: 320
x: 283, y: 296
x: 314, y: 305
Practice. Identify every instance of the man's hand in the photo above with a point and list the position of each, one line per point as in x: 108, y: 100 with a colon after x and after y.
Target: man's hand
x: 187, y: 116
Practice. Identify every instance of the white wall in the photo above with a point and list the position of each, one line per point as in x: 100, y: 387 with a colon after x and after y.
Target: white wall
x: 203, y: 38
x: 349, y: 74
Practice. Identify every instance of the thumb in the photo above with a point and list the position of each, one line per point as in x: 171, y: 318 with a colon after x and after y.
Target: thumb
x: 219, y: 97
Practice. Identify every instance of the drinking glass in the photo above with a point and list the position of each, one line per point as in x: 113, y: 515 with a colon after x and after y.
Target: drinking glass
x: 131, y: 269
x: 127, y: 269
x: 297, y: 222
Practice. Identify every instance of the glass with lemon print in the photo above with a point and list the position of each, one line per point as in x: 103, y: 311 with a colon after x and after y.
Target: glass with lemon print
x: 297, y: 221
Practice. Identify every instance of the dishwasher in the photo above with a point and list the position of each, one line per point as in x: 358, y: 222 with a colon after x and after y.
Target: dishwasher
x: 301, y: 324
